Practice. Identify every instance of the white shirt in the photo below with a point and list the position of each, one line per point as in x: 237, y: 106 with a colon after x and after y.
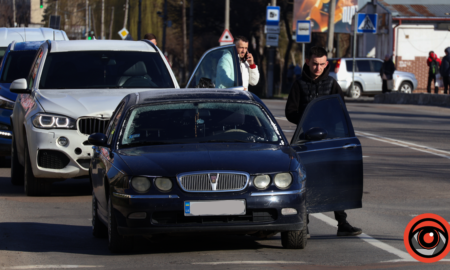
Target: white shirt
x: 249, y: 75
x: 225, y: 73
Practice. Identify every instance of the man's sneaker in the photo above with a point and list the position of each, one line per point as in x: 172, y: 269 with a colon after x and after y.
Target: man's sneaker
x: 307, y: 232
x: 348, y: 230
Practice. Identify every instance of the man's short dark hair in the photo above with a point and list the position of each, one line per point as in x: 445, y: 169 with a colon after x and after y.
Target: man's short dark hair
x: 149, y: 36
x: 240, y: 38
x: 317, y: 52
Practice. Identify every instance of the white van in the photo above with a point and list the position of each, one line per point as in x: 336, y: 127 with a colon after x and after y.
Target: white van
x: 20, y: 34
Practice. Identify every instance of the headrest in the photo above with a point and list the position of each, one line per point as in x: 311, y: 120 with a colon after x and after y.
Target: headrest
x: 137, y: 69
x: 236, y: 118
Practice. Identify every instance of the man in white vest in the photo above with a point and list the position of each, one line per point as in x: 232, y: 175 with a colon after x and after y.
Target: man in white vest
x: 250, y: 73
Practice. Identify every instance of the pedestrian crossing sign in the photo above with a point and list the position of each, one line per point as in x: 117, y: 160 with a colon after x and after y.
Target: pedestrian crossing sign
x: 367, y: 23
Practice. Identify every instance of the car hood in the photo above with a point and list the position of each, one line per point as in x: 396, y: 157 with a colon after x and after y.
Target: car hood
x: 404, y: 74
x: 170, y: 160
x: 4, y: 92
x: 77, y: 103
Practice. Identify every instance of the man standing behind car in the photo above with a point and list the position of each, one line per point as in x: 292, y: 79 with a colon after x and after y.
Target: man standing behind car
x: 445, y: 70
x: 433, y: 62
x: 315, y: 82
x: 250, y: 73
x: 386, y: 72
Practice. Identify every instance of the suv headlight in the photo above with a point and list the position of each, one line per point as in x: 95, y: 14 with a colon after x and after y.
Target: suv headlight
x: 6, y: 103
x: 42, y: 120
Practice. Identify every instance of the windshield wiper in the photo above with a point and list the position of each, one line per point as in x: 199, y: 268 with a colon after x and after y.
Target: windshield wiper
x: 225, y: 141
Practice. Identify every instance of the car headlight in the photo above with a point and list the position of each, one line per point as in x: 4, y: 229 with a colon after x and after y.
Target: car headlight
x: 262, y: 181
x: 6, y: 103
x: 163, y: 184
x: 283, y: 180
x: 42, y: 120
x: 140, y: 183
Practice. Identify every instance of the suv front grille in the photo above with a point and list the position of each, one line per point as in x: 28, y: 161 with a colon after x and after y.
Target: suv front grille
x: 87, y: 126
x: 213, y: 181
x: 52, y: 159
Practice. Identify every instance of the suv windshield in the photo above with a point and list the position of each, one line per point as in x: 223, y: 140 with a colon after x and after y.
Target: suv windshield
x: 198, y: 122
x: 104, y: 69
x: 17, y: 65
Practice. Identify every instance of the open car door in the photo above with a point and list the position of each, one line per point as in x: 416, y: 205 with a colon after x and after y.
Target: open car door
x: 218, y: 68
x: 331, y: 155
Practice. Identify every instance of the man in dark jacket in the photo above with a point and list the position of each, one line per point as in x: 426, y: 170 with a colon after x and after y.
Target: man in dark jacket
x: 314, y: 83
x: 445, y: 70
x: 433, y: 63
x: 386, y: 72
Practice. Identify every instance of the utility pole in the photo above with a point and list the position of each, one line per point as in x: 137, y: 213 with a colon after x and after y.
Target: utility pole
x: 139, y: 21
x: 185, y: 61
x: 14, y: 13
x: 87, y: 19
x: 164, y: 26
x: 227, y: 14
x: 102, y: 31
x: 270, y: 65
x: 330, y: 37
x: 191, y: 39
x: 111, y: 24
x: 126, y: 15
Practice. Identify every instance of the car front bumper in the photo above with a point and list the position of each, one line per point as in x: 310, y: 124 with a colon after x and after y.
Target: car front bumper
x: 257, y: 203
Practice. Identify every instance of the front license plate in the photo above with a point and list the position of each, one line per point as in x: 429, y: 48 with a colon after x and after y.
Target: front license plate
x: 214, y: 208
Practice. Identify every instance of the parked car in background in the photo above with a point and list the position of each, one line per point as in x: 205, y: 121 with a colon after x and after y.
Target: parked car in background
x: 20, y: 34
x: 367, y: 77
x: 70, y: 93
x: 215, y: 160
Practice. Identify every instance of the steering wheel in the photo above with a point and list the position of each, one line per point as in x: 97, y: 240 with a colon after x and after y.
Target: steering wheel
x: 236, y: 130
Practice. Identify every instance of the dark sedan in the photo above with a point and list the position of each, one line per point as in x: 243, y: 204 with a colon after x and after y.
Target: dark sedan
x: 217, y: 161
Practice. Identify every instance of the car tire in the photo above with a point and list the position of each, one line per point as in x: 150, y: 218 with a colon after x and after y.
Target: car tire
x: 116, y: 242
x: 99, y: 230
x: 406, y: 88
x: 355, y: 92
x: 33, y: 186
x: 295, y: 239
x: 17, y: 171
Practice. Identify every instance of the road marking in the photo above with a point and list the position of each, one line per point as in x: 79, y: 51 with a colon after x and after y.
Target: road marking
x: 413, y: 146
x: 250, y: 262
x: 52, y: 266
x: 289, y: 130
x: 281, y: 118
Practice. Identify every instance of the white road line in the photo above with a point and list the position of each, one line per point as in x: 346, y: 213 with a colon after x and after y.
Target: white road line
x: 413, y: 146
x: 289, y: 130
x: 281, y: 118
x: 61, y: 266
x: 250, y: 262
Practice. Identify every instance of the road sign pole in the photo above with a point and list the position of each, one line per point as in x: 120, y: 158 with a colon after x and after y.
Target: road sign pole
x: 303, y: 54
x: 272, y: 19
x: 355, y: 23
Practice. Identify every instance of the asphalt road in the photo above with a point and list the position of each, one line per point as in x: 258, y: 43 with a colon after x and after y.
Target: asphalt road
x: 406, y: 173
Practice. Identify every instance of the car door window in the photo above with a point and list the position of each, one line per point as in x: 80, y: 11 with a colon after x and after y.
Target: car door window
x: 327, y: 114
x: 363, y: 66
x: 376, y: 65
x: 218, y: 68
x: 349, y: 64
x: 114, y: 122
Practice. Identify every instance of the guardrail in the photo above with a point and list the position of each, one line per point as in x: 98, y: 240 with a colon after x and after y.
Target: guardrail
x: 419, y: 99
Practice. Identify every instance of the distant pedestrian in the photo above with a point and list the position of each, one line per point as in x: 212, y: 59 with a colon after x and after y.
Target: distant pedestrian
x: 151, y: 37
x: 387, y: 72
x: 445, y: 70
x: 433, y: 63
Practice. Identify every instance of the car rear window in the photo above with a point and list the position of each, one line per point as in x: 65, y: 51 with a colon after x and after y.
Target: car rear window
x: 349, y: 64
x: 17, y: 65
x: 104, y: 69
x: 332, y: 64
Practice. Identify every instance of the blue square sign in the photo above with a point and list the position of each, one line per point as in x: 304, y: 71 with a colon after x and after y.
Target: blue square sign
x: 303, y: 32
x: 367, y: 23
x: 273, y: 15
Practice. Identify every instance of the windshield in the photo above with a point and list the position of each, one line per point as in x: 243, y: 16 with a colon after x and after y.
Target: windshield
x: 17, y: 65
x: 104, y: 69
x: 198, y: 122
x: 2, y: 52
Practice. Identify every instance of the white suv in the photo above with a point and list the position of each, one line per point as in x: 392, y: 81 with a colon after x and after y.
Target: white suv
x: 367, y: 76
x: 71, y: 91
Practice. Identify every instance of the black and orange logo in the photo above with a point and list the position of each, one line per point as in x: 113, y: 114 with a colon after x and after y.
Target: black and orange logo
x: 426, y: 238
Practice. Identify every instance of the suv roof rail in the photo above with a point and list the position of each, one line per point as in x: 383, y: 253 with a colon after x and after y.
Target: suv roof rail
x: 49, y: 42
x: 13, y: 43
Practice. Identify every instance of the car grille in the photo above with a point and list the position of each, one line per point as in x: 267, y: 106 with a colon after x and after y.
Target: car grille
x: 52, y: 159
x: 87, y: 126
x: 178, y: 217
x: 201, y: 182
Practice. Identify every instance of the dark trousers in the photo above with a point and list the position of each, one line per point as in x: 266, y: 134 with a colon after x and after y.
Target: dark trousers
x: 432, y: 77
x: 446, y: 80
x: 384, y: 87
x: 340, y: 216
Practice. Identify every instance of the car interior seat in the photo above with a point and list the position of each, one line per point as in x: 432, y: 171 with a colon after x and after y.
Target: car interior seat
x: 136, y: 76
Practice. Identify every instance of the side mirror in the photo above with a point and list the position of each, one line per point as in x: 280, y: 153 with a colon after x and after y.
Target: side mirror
x: 19, y: 86
x: 316, y: 134
x: 97, y: 139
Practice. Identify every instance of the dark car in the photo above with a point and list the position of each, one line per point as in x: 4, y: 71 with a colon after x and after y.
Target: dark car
x: 208, y: 160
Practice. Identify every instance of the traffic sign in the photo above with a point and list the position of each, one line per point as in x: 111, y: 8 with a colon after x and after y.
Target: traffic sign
x: 273, y: 15
x: 123, y: 33
x: 303, y: 32
x: 226, y: 38
x: 367, y: 23
x: 272, y: 40
x: 271, y: 29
